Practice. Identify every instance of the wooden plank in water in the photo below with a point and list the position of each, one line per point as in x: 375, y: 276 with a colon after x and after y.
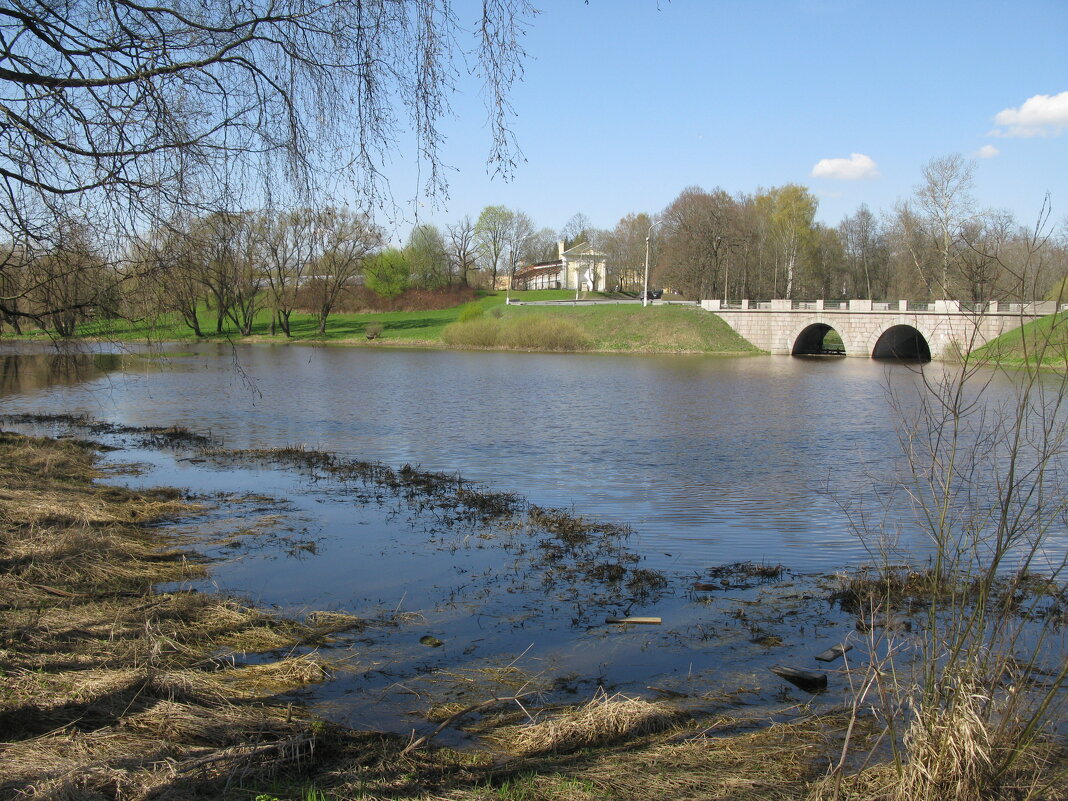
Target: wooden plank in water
x: 807, y: 680
x: 833, y: 653
x: 654, y: 620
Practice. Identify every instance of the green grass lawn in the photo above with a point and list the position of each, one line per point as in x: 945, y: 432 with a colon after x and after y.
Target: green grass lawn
x: 655, y: 329
x: 652, y: 329
x: 1042, y: 342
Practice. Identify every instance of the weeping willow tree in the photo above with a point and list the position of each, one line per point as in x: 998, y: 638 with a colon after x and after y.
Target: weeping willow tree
x: 122, y: 115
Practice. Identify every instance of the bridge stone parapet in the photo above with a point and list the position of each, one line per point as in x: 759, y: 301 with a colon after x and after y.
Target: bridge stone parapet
x: 874, y: 328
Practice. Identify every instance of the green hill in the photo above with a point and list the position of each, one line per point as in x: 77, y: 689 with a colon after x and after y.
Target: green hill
x: 1043, y: 342
x: 608, y: 327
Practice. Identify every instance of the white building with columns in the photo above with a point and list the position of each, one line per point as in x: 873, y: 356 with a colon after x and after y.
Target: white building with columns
x: 582, y: 268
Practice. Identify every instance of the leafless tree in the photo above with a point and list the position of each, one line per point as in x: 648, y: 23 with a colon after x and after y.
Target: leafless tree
x: 343, y: 241
x: 120, y: 113
x: 463, y: 251
x: 576, y: 230
x: 946, y: 202
x: 285, y: 244
x: 624, y: 247
x: 168, y: 264
x: 866, y: 255
x: 520, y: 236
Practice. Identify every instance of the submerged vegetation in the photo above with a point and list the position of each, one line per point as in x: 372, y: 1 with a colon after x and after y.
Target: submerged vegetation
x: 119, y: 683
x: 115, y: 690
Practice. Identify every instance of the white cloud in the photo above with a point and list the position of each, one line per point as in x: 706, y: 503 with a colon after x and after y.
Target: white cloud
x: 855, y: 168
x: 1041, y: 115
x: 987, y: 152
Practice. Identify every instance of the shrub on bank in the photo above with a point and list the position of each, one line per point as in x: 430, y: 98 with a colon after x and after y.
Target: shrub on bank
x: 472, y: 311
x: 479, y: 333
x: 535, y: 332
x: 518, y: 333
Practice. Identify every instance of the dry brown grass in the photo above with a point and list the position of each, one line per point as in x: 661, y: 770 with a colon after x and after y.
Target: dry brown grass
x: 112, y: 691
x: 109, y: 689
x: 603, y: 719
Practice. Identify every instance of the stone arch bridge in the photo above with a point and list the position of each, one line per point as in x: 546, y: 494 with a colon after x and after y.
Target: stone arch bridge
x: 876, y: 329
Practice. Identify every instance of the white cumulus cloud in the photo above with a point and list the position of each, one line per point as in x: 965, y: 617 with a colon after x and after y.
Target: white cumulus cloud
x: 1041, y: 115
x: 987, y: 152
x: 854, y: 168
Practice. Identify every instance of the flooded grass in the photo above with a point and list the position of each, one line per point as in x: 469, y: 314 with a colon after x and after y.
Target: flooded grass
x: 114, y: 688
x: 869, y: 592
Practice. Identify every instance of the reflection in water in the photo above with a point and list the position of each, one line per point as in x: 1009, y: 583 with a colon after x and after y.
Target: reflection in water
x: 25, y: 374
x: 711, y: 460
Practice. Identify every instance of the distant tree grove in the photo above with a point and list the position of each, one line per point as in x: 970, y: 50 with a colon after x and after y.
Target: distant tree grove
x: 221, y: 268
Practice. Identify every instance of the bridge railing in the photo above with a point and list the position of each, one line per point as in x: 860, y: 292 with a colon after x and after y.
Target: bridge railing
x: 1031, y: 308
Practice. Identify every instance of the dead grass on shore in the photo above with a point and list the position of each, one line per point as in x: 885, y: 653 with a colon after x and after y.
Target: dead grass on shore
x: 111, y: 690
x: 603, y: 719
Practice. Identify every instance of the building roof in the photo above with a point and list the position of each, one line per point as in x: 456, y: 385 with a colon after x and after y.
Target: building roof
x: 583, y: 249
x: 541, y: 268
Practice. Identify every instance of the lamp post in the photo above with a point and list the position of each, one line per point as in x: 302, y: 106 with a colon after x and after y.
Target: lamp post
x: 645, y: 290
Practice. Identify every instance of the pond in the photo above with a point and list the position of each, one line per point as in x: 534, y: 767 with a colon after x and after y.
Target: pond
x: 709, y: 461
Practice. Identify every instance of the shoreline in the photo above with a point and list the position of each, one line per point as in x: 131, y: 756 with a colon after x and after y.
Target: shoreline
x: 116, y: 686
x: 157, y: 695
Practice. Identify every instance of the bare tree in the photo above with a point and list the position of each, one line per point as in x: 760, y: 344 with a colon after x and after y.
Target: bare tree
x: 947, y: 205
x: 285, y: 245
x: 463, y: 253
x: 542, y: 245
x: 120, y: 113
x: 576, y: 230
x: 167, y: 261
x: 69, y: 283
x: 520, y: 234
x: 343, y: 241
x: 696, y: 238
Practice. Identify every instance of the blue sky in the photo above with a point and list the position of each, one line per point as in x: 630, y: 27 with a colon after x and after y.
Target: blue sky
x: 626, y: 102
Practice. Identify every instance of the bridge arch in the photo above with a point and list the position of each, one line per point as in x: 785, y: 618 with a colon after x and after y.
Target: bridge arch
x: 902, y: 341
x: 809, y: 340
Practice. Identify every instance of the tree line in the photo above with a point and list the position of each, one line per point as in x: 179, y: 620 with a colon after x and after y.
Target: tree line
x: 935, y: 244
x: 228, y: 266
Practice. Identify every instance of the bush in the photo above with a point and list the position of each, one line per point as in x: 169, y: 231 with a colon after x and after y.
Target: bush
x: 387, y: 273
x: 543, y: 333
x: 478, y: 333
x: 533, y: 332
x: 472, y: 311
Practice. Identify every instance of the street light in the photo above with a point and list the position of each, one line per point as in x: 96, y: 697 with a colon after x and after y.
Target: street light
x: 648, y: 236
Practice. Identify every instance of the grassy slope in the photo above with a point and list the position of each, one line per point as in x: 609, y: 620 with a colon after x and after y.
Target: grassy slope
x: 1043, y: 342
x: 655, y: 329
x: 626, y: 328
